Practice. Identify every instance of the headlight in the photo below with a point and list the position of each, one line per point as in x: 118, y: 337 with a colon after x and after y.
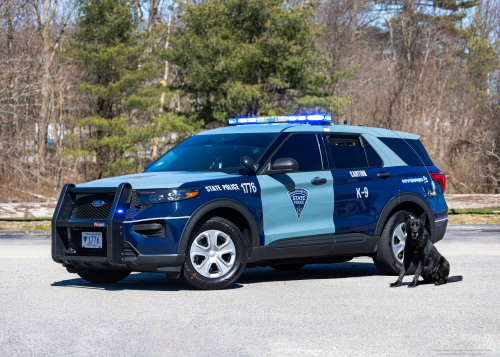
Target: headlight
x: 163, y: 195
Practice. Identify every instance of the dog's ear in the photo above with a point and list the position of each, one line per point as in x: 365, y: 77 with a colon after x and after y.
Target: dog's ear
x: 407, y: 218
x: 422, y: 218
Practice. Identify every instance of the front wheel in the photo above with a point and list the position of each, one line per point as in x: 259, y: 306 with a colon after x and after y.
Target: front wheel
x: 104, y: 276
x: 216, y: 255
x: 390, y: 252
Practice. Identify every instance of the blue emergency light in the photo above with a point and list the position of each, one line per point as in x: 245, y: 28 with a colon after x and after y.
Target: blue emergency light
x: 303, y: 119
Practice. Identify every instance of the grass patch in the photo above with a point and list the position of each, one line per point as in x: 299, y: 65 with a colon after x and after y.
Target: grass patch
x: 25, y: 226
x: 25, y: 219
x: 474, y: 219
x: 474, y: 211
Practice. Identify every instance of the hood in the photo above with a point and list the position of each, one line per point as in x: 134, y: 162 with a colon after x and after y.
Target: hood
x: 151, y: 180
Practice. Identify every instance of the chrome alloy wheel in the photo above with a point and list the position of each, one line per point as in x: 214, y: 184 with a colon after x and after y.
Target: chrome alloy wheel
x: 212, y: 253
x: 398, y: 242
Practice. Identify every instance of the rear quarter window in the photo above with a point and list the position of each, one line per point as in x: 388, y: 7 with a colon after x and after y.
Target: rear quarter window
x: 372, y: 156
x: 412, y: 152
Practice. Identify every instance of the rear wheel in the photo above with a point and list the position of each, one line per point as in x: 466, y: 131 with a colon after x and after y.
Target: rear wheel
x: 104, y: 276
x: 390, y: 252
x: 216, y: 255
x: 288, y: 267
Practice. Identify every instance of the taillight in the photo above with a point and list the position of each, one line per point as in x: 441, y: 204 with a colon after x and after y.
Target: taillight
x: 441, y: 178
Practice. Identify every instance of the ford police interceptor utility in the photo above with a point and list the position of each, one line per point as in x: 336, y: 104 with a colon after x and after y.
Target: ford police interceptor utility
x: 272, y: 191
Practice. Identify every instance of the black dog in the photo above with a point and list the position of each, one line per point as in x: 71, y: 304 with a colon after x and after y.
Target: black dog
x: 420, y: 251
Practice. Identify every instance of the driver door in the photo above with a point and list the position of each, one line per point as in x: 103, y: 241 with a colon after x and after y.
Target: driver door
x: 300, y: 204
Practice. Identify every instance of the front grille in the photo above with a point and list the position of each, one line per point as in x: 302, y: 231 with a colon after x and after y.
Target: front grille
x: 135, y: 206
x: 83, y: 208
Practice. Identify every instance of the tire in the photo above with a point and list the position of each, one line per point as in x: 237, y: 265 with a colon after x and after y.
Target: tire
x: 288, y: 267
x: 216, y: 255
x: 104, y: 276
x: 386, y: 260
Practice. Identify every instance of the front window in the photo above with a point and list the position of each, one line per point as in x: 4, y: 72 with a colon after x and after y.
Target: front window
x: 218, y: 153
x: 303, y: 148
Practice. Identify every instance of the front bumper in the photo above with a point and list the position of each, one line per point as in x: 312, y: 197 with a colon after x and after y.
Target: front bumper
x: 117, y: 253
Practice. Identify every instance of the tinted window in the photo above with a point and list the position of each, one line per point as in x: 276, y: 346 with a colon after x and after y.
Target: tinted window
x: 304, y: 148
x: 419, y: 147
x: 412, y: 152
x: 220, y: 153
x: 347, y: 153
x: 373, y: 158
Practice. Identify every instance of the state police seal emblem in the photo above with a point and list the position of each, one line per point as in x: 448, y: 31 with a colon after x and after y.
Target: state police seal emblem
x: 299, y: 199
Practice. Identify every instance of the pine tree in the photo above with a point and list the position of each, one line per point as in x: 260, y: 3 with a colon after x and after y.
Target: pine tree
x: 251, y: 57
x: 122, y: 70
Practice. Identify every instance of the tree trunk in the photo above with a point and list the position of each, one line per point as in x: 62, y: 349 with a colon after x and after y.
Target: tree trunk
x: 44, y: 117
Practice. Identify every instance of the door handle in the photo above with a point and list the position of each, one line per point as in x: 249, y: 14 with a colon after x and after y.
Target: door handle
x: 383, y: 175
x: 318, y: 181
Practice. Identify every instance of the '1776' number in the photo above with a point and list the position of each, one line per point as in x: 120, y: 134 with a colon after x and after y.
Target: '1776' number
x: 249, y: 187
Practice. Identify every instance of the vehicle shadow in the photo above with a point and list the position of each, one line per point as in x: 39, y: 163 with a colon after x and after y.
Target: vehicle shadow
x: 158, y: 282
x: 311, y: 272
x: 137, y: 281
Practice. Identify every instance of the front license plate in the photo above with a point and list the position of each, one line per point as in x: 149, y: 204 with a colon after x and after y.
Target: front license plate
x: 92, y: 239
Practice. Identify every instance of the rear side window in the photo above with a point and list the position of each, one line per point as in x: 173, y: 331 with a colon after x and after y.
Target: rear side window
x: 348, y: 153
x: 412, y: 152
x: 305, y: 149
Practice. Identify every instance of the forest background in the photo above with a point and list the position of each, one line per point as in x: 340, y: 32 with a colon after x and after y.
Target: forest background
x: 92, y: 89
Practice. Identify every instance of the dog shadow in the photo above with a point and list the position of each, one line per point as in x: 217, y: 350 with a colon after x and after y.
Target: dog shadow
x: 158, y: 281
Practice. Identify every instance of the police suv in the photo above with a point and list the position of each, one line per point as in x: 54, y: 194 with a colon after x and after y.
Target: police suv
x: 269, y: 191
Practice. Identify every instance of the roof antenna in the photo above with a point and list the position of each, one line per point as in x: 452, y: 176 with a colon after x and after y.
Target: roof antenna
x: 297, y: 110
x: 351, y: 107
x: 337, y: 109
x: 390, y: 115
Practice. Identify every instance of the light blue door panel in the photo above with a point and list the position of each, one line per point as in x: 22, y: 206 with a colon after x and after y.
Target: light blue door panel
x: 289, y: 212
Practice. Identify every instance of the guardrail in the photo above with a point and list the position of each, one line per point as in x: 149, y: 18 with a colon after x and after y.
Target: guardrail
x: 472, y: 201
x: 20, y: 210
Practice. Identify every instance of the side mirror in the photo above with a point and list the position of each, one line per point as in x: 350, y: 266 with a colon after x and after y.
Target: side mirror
x: 283, y: 166
x: 148, y: 165
x: 247, y: 163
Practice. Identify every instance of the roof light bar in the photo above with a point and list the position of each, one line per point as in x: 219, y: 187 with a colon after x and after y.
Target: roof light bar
x: 307, y: 119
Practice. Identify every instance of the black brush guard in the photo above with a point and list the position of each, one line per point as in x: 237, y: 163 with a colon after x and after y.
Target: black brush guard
x: 113, y: 227
x: 120, y: 254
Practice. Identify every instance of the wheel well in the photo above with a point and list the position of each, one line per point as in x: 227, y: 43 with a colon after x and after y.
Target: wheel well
x: 236, y: 218
x: 411, y: 207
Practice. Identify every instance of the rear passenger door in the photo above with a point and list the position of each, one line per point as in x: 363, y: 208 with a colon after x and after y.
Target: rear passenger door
x: 362, y: 184
x: 300, y: 204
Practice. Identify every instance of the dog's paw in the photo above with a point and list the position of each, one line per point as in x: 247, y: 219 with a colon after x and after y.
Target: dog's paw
x: 393, y: 285
x: 412, y: 285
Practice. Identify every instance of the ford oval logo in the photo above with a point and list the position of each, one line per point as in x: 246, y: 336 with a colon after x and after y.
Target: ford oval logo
x: 97, y: 203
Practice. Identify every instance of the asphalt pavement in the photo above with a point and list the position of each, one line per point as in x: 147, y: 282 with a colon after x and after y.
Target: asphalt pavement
x: 342, y: 309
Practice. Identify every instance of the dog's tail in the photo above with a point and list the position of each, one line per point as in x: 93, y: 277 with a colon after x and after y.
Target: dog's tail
x: 454, y: 279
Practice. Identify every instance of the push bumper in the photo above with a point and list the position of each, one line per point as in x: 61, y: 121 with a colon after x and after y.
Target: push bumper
x: 118, y: 253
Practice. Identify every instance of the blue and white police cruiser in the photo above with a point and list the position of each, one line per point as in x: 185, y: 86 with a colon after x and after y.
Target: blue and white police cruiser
x: 270, y: 191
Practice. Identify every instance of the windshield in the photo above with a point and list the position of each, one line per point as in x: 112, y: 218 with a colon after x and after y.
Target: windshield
x: 219, y: 153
